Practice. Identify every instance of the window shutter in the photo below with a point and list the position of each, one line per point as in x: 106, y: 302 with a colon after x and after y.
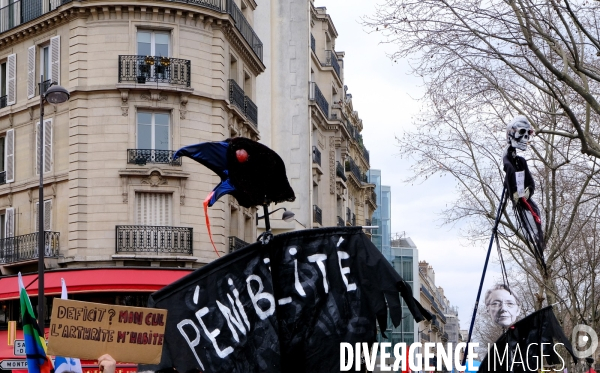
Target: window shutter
x: 47, y: 215
x: 9, y: 223
x: 11, y: 81
x: 47, y: 145
x: 9, y: 156
x: 31, y: 72
x: 55, y: 58
x: 153, y: 208
x: 37, y: 148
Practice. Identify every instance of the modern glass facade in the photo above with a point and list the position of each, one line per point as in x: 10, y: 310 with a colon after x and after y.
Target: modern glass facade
x: 382, y: 216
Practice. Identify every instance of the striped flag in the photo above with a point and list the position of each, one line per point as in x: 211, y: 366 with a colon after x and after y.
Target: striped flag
x: 66, y: 364
x: 35, y: 344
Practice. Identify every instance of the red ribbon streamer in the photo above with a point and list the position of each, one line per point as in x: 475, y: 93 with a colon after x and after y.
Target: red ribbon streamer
x: 535, y: 216
x: 205, y: 204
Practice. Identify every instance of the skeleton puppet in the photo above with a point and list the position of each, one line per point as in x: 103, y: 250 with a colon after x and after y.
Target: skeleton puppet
x: 521, y: 186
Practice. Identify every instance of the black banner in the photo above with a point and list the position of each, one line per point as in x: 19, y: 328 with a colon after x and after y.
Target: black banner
x: 282, y: 307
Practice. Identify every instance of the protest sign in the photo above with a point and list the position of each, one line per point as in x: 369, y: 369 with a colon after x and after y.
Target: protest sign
x: 89, y: 330
x: 282, y: 307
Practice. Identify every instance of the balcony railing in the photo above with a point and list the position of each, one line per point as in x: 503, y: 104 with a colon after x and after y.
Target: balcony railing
x: 22, y: 11
x: 352, y: 167
x: 243, y: 102
x: 331, y: 60
x: 143, y: 69
x: 316, y: 95
x: 316, y: 155
x: 340, y: 222
x: 236, y: 95
x: 25, y: 247
x: 210, y: 4
x: 312, y: 43
x: 3, y: 101
x: 251, y: 110
x: 143, y: 156
x: 366, y: 155
x: 236, y: 244
x: 317, y: 215
x: 339, y: 171
x: 153, y: 239
x: 245, y: 29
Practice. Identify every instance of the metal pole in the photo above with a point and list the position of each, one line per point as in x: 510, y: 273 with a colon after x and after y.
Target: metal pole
x: 487, y: 259
x: 41, y: 211
x: 267, y: 222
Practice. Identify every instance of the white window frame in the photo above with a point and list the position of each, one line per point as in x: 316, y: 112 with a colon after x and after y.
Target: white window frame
x: 153, y: 40
x: 153, y: 126
x: 9, y: 155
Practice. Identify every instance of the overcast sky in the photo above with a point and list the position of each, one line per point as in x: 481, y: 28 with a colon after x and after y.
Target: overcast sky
x: 386, y: 98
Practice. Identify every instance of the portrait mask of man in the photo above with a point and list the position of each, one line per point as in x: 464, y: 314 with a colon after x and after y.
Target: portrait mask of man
x: 502, y: 305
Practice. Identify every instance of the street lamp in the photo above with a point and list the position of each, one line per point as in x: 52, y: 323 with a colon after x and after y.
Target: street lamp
x: 287, y: 216
x: 55, y: 95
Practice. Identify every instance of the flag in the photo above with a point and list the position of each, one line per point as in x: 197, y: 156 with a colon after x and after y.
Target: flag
x: 66, y: 364
x: 540, y: 328
x: 35, y: 344
x: 284, y: 306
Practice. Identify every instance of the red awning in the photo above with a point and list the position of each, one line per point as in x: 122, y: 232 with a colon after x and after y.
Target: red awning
x: 94, y: 280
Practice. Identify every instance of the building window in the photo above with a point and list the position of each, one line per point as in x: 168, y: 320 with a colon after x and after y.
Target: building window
x: 233, y: 68
x: 47, y: 136
x: 45, y: 69
x: 153, y: 43
x: 153, y: 208
x: 153, y: 130
x: 47, y: 215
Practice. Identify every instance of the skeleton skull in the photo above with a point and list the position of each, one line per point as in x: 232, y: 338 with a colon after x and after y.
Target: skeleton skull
x: 519, y: 132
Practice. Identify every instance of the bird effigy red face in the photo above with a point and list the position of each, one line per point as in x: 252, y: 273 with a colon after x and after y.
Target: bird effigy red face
x: 241, y: 155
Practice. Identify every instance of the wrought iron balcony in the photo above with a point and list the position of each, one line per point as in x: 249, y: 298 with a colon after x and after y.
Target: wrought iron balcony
x: 366, y: 155
x: 245, y: 29
x: 25, y: 247
x: 316, y: 155
x: 340, y: 222
x: 339, y: 171
x: 317, y: 215
x: 3, y: 101
x: 19, y: 12
x: 236, y: 244
x: 159, y: 69
x: 153, y: 239
x: 210, y: 4
x: 352, y: 167
x: 143, y: 156
x: 243, y: 102
x: 315, y: 95
x: 312, y: 43
x: 331, y: 60
x: 236, y: 95
x: 251, y: 110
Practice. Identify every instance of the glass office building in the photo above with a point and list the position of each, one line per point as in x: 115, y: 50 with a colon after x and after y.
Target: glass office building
x: 382, y: 217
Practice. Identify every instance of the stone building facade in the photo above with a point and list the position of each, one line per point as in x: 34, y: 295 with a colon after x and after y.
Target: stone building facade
x: 145, y: 78
x: 313, y: 124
